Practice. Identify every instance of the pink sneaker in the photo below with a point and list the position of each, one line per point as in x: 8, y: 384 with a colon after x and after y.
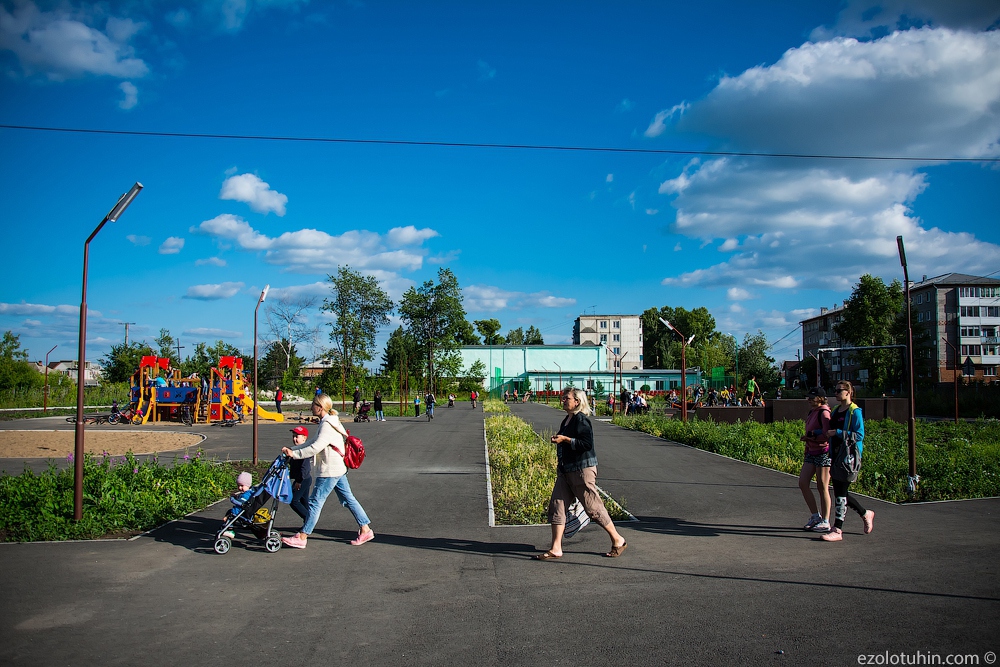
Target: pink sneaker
x: 294, y: 541
x: 366, y: 536
x: 869, y: 519
x: 835, y: 535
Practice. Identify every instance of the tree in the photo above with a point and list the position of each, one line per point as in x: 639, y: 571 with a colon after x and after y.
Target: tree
x: 474, y: 376
x: 433, y: 314
x: 515, y: 336
x: 871, y: 316
x: 533, y: 336
x: 361, y: 307
x: 754, y: 362
x: 661, y: 348
x: 15, y: 371
x: 167, y: 344
x: 276, y: 363
x: 123, y: 361
x: 287, y: 326
x: 490, y: 331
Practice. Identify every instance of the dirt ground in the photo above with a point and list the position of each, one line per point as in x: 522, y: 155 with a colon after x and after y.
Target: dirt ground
x: 59, y: 444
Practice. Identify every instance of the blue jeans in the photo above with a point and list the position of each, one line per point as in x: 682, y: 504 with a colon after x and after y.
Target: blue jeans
x: 300, y: 499
x: 322, y: 488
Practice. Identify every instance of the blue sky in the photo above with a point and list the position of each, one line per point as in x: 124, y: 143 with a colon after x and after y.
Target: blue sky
x: 535, y: 237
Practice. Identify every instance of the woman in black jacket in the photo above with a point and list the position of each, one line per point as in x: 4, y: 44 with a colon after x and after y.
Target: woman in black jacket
x: 576, y: 476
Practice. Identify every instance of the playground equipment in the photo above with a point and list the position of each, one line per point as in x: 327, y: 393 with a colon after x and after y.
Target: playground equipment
x: 230, y: 398
x: 159, y: 393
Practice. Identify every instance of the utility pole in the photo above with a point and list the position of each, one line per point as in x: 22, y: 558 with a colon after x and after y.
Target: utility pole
x: 180, y: 347
x: 126, y: 331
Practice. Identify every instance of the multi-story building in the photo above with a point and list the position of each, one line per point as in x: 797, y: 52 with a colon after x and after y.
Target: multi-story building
x: 963, y: 310
x: 621, y: 334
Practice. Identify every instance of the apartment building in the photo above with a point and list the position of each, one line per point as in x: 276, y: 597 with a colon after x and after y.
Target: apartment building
x: 960, y: 315
x: 622, y: 334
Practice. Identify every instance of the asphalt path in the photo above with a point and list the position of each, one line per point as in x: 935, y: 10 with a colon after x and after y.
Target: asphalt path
x: 716, y: 572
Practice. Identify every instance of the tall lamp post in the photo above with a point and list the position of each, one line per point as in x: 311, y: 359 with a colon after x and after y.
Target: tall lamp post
x: 909, y: 359
x: 45, y: 394
x: 684, y: 343
x: 560, y: 377
x: 736, y: 380
x: 112, y: 216
x: 958, y: 366
x: 263, y: 295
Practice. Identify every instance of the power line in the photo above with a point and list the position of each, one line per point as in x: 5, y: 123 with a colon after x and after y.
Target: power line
x: 461, y: 144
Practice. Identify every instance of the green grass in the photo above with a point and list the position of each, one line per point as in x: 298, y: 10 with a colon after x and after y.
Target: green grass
x: 523, y: 470
x: 954, y: 461
x: 121, y: 496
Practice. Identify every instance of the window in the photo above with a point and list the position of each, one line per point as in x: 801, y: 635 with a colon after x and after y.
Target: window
x: 616, y: 350
x: 616, y: 324
x: 969, y: 311
x: 990, y: 371
x: 989, y: 332
x: 616, y: 337
x: 631, y: 385
x: 659, y: 385
x: 604, y: 324
x: 618, y: 364
x: 974, y: 350
x: 992, y: 311
x: 590, y: 385
x: 920, y: 298
x: 604, y: 338
x: 640, y: 357
x: 970, y: 331
x: 989, y: 349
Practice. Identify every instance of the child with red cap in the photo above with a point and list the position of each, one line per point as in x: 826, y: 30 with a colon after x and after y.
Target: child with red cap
x: 300, y: 471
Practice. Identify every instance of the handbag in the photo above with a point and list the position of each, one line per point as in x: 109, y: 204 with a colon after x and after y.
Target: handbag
x: 576, y: 519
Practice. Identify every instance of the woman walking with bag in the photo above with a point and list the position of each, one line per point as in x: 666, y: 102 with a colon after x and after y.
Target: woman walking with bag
x: 576, y: 476
x: 847, y: 434
x: 817, y: 462
x: 329, y: 474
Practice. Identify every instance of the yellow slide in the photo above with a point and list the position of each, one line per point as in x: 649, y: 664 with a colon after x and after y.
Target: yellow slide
x: 262, y: 413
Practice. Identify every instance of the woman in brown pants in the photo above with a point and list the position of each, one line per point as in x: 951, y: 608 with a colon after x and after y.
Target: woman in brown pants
x: 576, y: 476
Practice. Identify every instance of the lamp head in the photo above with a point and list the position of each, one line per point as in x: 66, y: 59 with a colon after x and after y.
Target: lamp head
x: 668, y: 324
x: 902, y: 253
x: 123, y: 202
x: 263, y: 295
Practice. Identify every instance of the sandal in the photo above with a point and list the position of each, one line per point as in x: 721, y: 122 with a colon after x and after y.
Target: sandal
x: 548, y: 555
x: 616, y: 551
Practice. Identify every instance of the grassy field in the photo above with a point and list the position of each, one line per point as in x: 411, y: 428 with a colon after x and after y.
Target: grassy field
x: 954, y: 461
x: 523, y: 469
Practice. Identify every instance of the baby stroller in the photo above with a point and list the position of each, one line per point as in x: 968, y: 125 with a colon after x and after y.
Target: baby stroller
x: 363, y: 411
x: 258, y: 512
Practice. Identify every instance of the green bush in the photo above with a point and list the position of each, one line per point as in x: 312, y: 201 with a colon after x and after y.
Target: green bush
x: 954, y: 461
x: 121, y: 496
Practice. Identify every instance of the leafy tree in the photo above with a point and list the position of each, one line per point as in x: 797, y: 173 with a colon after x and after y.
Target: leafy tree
x: 198, y: 362
x: 361, y: 307
x: 465, y: 334
x: 754, y: 362
x: 167, y: 350
x: 871, y: 316
x: 123, y: 361
x: 515, y: 336
x: 490, y: 331
x: 276, y: 364
x: 661, y: 348
x: 15, y: 370
x: 401, y: 350
x: 599, y: 390
x: 434, y: 315
x: 533, y: 336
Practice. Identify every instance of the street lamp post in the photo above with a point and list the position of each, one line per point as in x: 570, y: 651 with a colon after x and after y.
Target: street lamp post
x: 560, y: 377
x: 45, y: 394
x: 909, y: 355
x: 256, y: 397
x: 112, y: 216
x: 736, y: 344
x: 684, y: 343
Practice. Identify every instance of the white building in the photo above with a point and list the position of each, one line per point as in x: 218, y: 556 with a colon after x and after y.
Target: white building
x: 621, y: 334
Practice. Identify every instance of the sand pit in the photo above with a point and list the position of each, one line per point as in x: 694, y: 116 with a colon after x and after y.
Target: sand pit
x: 59, y: 444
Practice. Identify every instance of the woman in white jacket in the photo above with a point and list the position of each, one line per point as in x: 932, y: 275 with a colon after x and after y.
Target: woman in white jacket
x: 329, y: 474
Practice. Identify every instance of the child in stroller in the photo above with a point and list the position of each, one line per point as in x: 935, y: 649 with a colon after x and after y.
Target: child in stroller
x: 254, y: 507
x: 363, y: 411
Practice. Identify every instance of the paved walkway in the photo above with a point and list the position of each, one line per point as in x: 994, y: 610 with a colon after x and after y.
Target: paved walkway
x: 716, y: 573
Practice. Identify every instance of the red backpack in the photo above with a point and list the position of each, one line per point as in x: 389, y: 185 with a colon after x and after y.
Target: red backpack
x: 355, y: 454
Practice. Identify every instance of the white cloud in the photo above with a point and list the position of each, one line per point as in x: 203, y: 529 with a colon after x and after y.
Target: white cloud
x: 444, y: 258
x: 625, y: 105
x: 738, y: 294
x: 610, y: 178
x: 315, y: 251
x: 810, y: 224
x: 212, y: 333
x: 409, y: 235
x: 213, y: 292
x: 210, y: 261
x: 39, y: 309
x: 659, y: 122
x: 250, y: 189
x: 179, y: 18
x: 864, y: 19
x: 487, y: 298
x: 61, y: 45
x: 652, y: 211
x: 172, y: 246
x: 319, y: 289
x: 135, y: 239
x: 131, y: 95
